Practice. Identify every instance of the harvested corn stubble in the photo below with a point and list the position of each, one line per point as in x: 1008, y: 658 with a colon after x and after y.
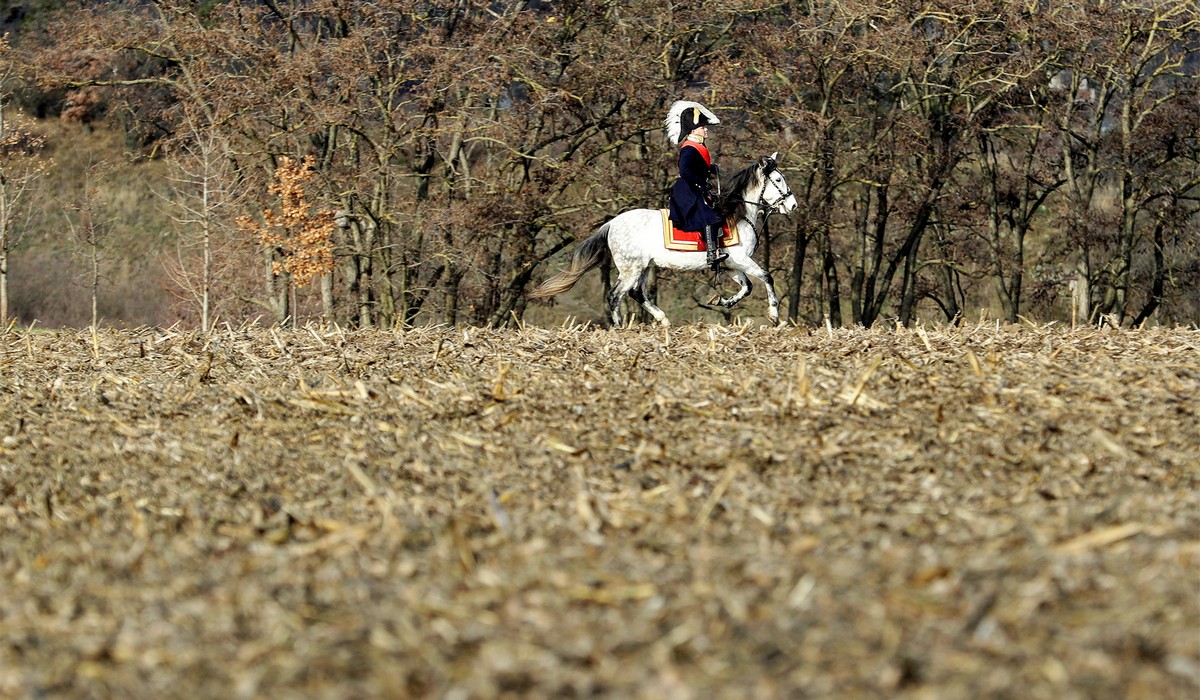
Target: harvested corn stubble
x: 691, y: 512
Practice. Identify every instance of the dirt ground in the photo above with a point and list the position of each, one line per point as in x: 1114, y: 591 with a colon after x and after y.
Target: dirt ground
x: 704, y: 511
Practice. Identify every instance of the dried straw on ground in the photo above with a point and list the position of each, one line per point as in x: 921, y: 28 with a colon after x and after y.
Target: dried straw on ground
x: 699, y: 512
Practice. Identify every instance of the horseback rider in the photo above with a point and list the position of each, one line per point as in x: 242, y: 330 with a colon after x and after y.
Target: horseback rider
x: 692, y: 199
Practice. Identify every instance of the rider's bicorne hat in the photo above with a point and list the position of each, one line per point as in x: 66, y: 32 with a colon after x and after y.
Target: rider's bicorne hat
x: 685, y: 116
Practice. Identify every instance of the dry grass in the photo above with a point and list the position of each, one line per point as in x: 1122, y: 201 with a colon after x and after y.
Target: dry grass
x: 704, y: 512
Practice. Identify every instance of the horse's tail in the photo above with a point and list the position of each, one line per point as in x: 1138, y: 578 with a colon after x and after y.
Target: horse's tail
x: 589, y: 254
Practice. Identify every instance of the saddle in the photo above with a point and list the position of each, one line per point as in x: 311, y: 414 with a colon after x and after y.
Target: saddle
x: 692, y: 241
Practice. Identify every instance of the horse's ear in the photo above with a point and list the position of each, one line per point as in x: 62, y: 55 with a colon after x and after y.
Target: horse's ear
x: 775, y: 156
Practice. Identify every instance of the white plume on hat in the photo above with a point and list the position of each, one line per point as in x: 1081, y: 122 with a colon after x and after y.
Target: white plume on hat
x: 674, y: 118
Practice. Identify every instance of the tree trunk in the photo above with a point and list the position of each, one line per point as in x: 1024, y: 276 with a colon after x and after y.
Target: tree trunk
x: 95, y: 250
x: 207, y: 271
x: 327, y: 297
x: 4, y: 235
x: 872, y: 301
x: 1081, y: 292
x: 276, y: 288
x: 514, y: 291
x: 365, y: 257
x: 1018, y: 274
x: 1160, y: 279
x: 908, y: 283
x: 1122, y: 281
x: 831, y: 282
x: 802, y: 239
x: 450, y: 297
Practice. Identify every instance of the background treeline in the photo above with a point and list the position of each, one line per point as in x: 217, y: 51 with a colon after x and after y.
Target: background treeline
x: 1039, y: 159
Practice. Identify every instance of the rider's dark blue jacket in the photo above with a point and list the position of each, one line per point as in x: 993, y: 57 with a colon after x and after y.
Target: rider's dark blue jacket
x: 691, y: 196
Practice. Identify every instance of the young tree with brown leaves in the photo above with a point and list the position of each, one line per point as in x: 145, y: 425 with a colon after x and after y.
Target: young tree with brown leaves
x: 296, y: 238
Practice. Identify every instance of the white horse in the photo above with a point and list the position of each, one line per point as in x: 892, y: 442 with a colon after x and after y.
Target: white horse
x: 634, y: 239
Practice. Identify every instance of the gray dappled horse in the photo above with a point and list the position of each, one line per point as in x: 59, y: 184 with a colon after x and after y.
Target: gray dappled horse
x: 634, y: 240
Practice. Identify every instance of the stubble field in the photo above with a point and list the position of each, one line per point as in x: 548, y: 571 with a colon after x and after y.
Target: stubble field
x: 709, y: 511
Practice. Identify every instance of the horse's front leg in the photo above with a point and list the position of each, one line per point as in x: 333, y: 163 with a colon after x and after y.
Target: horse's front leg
x: 741, y: 293
x: 772, y: 298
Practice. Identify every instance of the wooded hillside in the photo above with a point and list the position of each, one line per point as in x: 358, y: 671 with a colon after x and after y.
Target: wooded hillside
x: 1037, y: 159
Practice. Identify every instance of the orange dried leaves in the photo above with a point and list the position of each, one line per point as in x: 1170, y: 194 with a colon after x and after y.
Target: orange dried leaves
x: 304, y: 238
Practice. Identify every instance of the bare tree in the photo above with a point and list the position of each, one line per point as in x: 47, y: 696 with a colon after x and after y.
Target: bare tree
x: 21, y: 164
x: 1124, y: 91
x: 206, y: 202
x: 90, y: 227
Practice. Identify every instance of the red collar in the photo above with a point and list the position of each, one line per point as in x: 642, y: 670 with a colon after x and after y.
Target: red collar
x: 699, y: 147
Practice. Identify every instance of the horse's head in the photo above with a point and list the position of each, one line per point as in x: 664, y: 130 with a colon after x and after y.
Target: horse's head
x: 760, y: 185
x: 775, y: 193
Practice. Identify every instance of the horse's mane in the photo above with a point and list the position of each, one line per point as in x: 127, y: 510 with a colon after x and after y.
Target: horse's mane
x: 732, y: 205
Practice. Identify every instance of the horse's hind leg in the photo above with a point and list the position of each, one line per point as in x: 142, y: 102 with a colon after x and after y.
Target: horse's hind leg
x: 614, y: 304
x: 630, y: 281
x: 638, y: 293
x: 626, y: 281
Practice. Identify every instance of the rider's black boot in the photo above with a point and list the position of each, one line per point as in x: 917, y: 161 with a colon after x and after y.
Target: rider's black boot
x: 712, y: 242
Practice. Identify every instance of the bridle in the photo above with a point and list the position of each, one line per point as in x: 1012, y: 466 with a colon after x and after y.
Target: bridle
x: 773, y: 207
x: 768, y: 208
